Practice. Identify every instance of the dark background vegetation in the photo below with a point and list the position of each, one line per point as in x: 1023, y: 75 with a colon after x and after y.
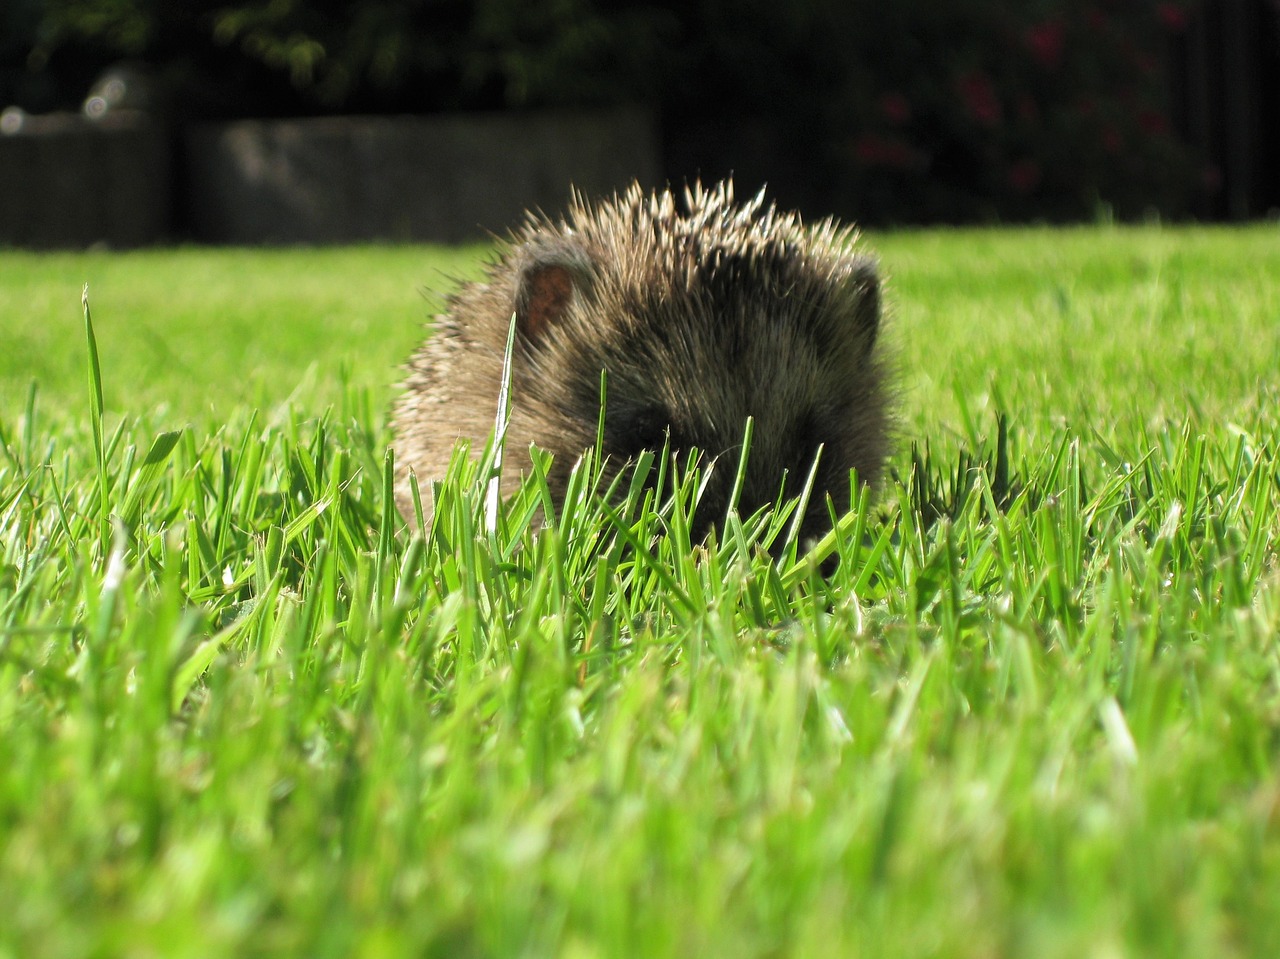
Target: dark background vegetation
x: 910, y: 111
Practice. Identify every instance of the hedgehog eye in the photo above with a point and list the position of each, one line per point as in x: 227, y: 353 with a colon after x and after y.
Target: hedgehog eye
x: 807, y: 437
x: 830, y: 477
x: 635, y: 431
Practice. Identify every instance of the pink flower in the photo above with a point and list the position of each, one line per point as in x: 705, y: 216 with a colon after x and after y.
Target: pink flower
x: 978, y: 94
x: 1024, y: 176
x: 1045, y: 41
x: 896, y: 108
x: 1172, y: 16
x: 875, y: 150
x: 1153, y: 123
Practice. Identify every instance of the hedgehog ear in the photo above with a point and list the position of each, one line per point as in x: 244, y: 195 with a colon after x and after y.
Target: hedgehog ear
x: 864, y: 284
x: 551, y: 274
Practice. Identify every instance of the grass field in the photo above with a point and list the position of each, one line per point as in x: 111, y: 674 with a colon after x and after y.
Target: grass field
x: 1034, y: 710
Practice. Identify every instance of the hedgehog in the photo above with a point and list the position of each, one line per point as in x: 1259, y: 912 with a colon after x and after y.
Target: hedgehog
x: 702, y: 312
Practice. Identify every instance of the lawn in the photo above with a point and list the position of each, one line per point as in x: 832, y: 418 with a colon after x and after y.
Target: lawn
x: 1032, y: 708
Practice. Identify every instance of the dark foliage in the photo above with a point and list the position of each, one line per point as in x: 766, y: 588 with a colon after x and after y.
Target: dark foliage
x: 908, y: 111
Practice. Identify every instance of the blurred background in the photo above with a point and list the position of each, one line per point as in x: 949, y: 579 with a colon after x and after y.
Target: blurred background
x: 141, y: 121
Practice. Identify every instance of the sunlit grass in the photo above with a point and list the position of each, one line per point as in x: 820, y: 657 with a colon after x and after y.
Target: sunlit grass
x: 1033, y: 708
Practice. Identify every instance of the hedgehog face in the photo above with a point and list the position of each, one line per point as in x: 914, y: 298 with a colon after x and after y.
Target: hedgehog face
x: 701, y: 316
x: 700, y: 329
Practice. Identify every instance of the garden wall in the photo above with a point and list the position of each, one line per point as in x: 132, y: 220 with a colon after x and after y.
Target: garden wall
x: 71, y: 181
x: 445, y: 179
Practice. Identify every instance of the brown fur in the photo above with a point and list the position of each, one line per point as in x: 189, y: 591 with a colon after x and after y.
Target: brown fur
x: 702, y: 316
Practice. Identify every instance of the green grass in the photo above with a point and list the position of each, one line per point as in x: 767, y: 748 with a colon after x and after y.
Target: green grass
x: 1033, y: 711
x: 199, y: 334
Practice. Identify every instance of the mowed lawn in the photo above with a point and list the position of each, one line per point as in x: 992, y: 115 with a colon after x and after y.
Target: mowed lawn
x: 1029, y: 705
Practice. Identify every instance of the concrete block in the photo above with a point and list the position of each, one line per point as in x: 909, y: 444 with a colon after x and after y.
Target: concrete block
x: 443, y: 179
x: 68, y: 181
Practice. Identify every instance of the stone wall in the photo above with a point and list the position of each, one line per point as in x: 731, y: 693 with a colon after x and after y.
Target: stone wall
x: 66, y: 180
x: 70, y: 181
x: 445, y: 179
